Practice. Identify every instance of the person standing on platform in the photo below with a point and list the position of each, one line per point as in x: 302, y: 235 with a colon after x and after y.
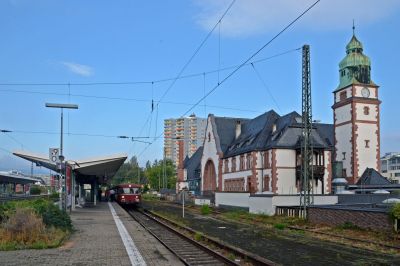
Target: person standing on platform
x: 112, y: 195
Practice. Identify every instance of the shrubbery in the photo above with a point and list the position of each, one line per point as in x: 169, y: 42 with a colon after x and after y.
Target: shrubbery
x: 35, y: 190
x: 205, y: 209
x: 32, y: 224
x: 395, y: 211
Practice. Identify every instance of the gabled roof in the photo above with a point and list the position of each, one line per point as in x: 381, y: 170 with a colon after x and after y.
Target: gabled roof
x: 193, y: 164
x: 371, y: 177
x: 224, y: 130
x: 257, y: 134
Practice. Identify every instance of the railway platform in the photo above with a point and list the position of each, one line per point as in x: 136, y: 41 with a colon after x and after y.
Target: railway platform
x: 104, y: 235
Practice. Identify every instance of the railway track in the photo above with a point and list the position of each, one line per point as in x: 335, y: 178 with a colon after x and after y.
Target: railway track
x: 192, y: 252
x: 187, y: 250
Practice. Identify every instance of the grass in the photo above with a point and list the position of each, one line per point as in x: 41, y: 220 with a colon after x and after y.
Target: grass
x: 246, y: 217
x: 33, y: 224
x: 198, y: 236
x: 150, y: 197
x: 205, y: 209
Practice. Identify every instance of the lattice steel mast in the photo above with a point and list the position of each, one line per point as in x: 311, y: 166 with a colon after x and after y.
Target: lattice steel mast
x: 307, y: 193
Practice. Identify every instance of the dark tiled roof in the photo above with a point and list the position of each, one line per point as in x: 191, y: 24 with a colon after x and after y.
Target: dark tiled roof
x: 193, y: 164
x: 256, y: 134
x: 372, y: 177
x: 225, y: 127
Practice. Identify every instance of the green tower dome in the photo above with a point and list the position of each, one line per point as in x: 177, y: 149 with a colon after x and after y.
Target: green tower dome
x: 355, y: 68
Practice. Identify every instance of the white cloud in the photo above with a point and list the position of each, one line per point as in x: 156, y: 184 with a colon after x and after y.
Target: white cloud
x: 79, y: 69
x: 251, y: 17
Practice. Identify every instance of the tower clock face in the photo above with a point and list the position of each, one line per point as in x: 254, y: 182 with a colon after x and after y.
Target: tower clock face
x: 365, y: 92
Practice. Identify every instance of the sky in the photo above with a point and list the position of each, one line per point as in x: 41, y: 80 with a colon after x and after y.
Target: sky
x: 114, y: 58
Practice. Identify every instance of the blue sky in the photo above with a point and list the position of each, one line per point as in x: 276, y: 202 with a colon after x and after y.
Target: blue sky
x: 47, y: 42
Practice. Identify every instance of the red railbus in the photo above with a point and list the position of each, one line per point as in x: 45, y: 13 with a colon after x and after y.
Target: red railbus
x: 128, y: 194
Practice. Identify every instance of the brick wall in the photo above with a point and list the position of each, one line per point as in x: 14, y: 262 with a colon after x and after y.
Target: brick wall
x: 362, y: 218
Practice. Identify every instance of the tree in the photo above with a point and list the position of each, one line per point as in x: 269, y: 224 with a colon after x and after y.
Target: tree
x: 161, y: 174
x: 156, y: 175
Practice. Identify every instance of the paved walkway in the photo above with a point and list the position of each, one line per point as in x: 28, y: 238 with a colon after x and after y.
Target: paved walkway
x: 97, y: 241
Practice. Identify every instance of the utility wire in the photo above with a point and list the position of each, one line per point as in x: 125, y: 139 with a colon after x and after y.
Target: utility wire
x: 265, y: 85
x: 251, y: 57
x: 146, y: 82
x: 14, y: 139
x: 122, y: 99
x: 5, y: 150
x: 241, y: 65
x: 197, y: 50
x: 77, y: 134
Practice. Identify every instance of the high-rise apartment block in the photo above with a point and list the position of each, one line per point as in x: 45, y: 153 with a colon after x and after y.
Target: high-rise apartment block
x: 190, y: 130
x: 390, y: 166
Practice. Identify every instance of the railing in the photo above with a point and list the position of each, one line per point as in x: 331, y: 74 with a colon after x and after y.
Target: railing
x: 318, y: 171
x: 290, y: 211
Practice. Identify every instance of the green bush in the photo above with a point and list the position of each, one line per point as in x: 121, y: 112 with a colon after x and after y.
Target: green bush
x: 35, y: 190
x: 54, y: 196
x: 205, y: 209
x: 348, y: 225
x: 395, y: 211
x: 280, y: 226
x: 51, y: 214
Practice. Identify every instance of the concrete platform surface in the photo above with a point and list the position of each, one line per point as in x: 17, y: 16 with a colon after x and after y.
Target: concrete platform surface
x: 96, y: 241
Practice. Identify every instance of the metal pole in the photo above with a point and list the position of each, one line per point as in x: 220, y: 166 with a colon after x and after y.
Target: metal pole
x: 62, y: 121
x: 138, y: 173
x: 183, y: 203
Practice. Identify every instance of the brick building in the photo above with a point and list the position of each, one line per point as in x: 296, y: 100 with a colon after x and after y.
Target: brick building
x: 263, y: 154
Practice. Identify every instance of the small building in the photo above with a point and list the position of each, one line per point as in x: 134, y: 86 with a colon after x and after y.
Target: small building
x: 372, y: 181
x: 192, y: 173
x: 390, y: 166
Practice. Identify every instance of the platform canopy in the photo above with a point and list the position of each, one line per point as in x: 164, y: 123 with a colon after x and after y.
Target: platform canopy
x: 16, y: 177
x: 96, y: 167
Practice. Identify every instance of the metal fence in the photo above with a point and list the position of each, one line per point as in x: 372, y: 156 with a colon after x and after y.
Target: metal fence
x: 290, y: 211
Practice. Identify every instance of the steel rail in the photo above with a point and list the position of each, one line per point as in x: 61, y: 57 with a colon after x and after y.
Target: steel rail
x: 186, y: 253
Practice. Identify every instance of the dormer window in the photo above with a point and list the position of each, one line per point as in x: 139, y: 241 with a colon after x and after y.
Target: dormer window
x: 273, y: 128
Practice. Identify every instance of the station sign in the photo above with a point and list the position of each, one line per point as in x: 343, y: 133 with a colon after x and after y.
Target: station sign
x: 54, y: 154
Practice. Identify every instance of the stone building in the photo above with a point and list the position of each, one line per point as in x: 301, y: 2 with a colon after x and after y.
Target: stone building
x: 263, y: 154
x: 356, y: 114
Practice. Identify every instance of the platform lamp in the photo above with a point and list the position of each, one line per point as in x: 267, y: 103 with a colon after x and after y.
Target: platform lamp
x: 61, y: 156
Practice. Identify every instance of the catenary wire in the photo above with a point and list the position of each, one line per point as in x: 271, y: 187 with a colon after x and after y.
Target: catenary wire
x: 251, y: 57
x: 241, y: 65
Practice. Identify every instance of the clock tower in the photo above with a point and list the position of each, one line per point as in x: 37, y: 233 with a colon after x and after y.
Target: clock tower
x: 356, y: 114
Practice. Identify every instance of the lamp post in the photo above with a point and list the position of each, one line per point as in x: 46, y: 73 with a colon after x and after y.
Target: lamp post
x: 61, y: 157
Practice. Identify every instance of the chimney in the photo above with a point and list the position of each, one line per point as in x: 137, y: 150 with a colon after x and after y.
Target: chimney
x: 238, y: 129
x: 181, y: 152
x: 273, y: 128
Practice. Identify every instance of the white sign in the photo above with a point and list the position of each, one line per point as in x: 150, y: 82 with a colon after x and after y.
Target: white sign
x: 53, y: 155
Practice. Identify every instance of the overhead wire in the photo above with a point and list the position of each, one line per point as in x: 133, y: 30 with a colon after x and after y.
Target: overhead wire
x: 241, y: 65
x: 265, y: 85
x: 122, y: 99
x: 192, y: 57
x: 145, y: 82
x: 196, y: 51
x: 251, y: 57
